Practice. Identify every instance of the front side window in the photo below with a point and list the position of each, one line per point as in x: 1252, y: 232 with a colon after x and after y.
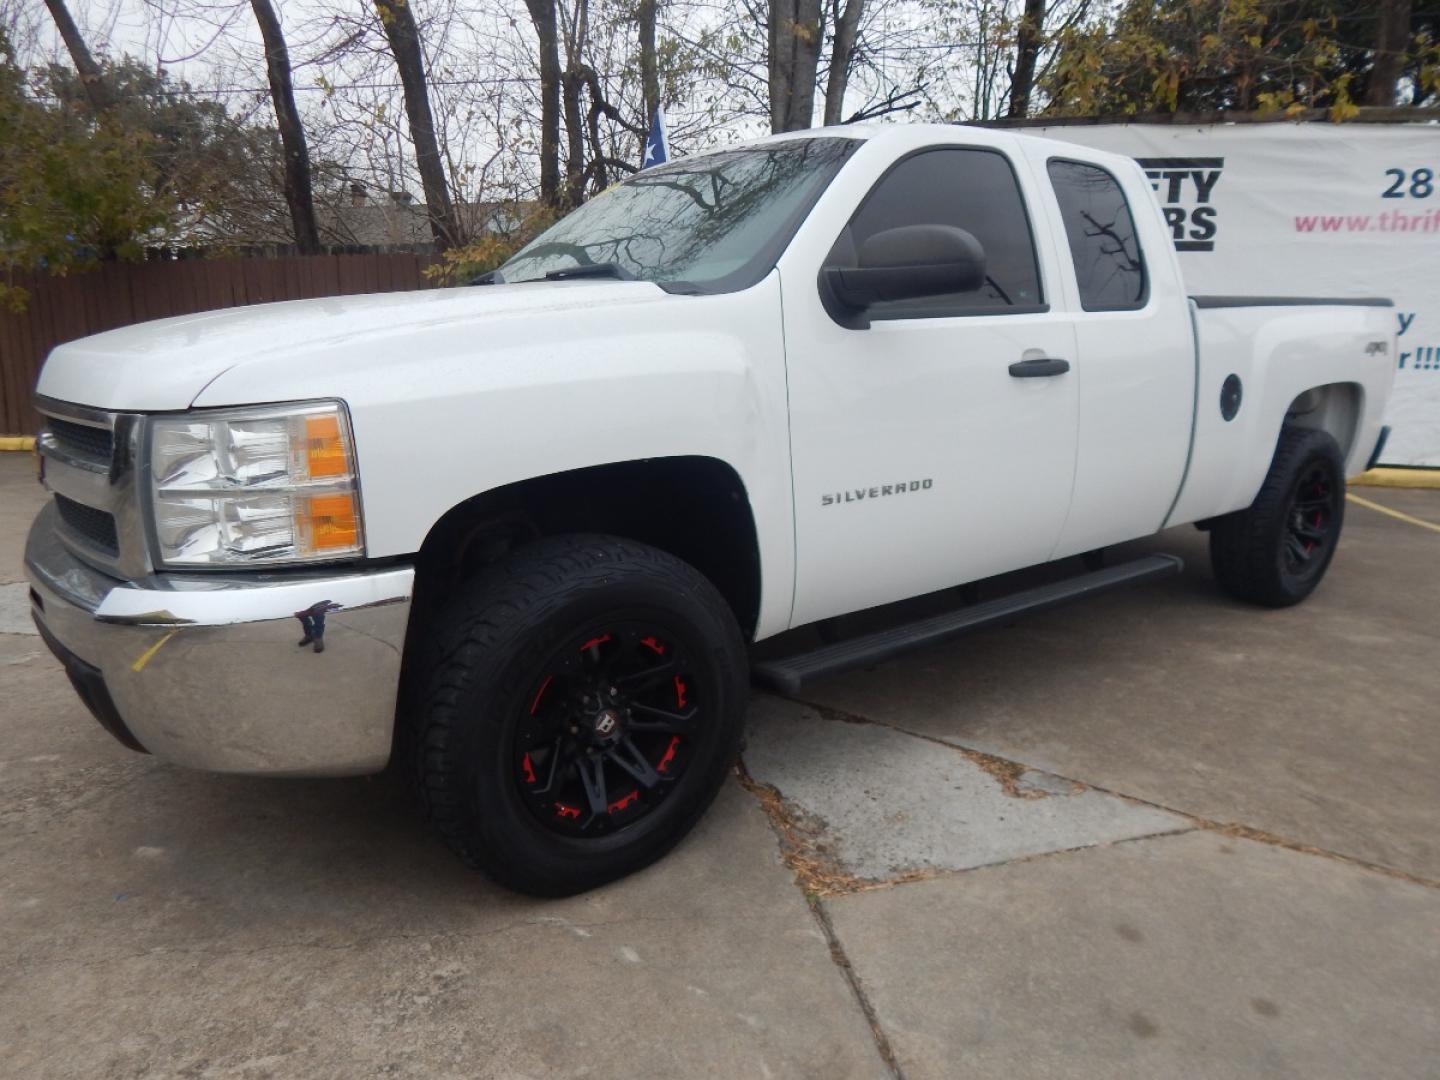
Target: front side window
x: 974, y: 190
x: 1109, y: 266
x: 712, y: 224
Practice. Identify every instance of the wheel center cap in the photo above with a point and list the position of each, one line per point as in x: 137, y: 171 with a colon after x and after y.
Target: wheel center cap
x: 607, y: 723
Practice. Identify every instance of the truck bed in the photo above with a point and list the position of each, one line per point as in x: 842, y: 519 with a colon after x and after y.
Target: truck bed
x: 1275, y: 350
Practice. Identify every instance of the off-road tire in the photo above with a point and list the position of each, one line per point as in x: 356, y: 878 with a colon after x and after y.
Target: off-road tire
x: 1248, y: 548
x: 480, y: 662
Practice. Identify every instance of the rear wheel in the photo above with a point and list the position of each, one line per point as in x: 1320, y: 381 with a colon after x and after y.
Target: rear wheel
x: 1276, y: 551
x: 583, y: 703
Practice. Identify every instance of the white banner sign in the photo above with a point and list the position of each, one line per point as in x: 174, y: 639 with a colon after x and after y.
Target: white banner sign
x: 1311, y: 209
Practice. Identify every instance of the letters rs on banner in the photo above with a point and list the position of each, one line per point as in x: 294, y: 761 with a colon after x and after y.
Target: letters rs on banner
x: 1312, y: 209
x: 1184, y: 185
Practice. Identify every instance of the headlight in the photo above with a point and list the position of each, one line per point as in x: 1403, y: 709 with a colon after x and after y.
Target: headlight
x: 248, y: 486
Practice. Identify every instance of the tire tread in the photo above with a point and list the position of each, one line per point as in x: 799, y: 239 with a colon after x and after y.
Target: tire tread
x: 1243, y: 544
x: 490, y: 616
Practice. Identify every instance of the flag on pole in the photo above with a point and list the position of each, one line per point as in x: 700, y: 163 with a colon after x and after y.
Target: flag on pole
x: 657, y: 146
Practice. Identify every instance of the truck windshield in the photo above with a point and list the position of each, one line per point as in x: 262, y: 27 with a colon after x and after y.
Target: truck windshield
x: 715, y: 223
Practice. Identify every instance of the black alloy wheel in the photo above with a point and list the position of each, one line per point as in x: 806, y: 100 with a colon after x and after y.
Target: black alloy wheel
x: 1309, y: 529
x: 579, y: 705
x: 607, y: 734
x: 1277, y: 550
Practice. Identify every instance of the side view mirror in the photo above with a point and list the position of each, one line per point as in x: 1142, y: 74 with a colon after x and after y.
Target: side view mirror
x: 905, y: 263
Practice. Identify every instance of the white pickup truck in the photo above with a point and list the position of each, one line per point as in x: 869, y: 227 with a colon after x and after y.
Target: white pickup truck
x: 517, y: 536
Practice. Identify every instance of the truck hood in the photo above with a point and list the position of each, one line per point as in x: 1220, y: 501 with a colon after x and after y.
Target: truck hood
x: 164, y: 365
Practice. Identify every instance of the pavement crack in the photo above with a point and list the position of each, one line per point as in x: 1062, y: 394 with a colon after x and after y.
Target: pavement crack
x: 1260, y: 836
x: 1006, y: 768
x: 817, y: 871
x: 842, y: 961
x: 1005, y: 773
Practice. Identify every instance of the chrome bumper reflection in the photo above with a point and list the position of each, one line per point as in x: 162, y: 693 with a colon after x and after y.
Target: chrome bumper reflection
x: 206, y: 671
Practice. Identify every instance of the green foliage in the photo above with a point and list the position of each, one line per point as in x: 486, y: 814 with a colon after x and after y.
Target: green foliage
x: 224, y: 175
x: 1426, y: 52
x: 1203, y: 55
x: 520, y: 223
x: 73, y: 191
x: 162, y: 164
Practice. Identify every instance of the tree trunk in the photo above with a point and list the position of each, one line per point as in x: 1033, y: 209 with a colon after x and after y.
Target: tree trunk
x: 1392, y: 41
x: 1027, y: 51
x: 542, y: 15
x: 794, y: 55
x: 572, y: 84
x: 842, y: 52
x: 96, y: 92
x: 298, y: 195
x: 649, y: 69
x: 399, y: 23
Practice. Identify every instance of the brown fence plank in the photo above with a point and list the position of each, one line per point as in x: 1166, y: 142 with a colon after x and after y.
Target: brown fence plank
x: 26, y: 345
x: 290, y: 265
x: 14, y: 345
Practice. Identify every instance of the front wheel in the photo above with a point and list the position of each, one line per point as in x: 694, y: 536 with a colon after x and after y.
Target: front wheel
x: 1275, y: 552
x: 583, y: 703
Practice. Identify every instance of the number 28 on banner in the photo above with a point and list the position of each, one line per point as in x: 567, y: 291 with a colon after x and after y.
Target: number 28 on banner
x: 1412, y: 183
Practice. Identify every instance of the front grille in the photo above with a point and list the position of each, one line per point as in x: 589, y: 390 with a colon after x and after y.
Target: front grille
x: 95, y: 526
x: 82, y: 440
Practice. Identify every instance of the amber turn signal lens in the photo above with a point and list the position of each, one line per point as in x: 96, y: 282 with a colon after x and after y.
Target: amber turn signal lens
x: 324, y: 450
x: 331, y: 521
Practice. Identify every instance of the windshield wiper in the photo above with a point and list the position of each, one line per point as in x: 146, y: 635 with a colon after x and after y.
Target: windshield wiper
x: 490, y: 277
x: 604, y: 269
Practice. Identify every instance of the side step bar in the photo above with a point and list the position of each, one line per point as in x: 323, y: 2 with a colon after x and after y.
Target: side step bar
x: 790, y: 673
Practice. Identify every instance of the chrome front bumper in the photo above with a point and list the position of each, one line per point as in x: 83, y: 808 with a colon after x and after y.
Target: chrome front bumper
x: 204, y: 670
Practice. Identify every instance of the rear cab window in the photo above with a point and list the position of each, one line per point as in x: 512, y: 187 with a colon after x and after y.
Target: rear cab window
x: 1104, y: 246
x: 971, y: 189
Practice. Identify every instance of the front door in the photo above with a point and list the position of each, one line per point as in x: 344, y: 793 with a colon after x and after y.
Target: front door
x: 919, y: 459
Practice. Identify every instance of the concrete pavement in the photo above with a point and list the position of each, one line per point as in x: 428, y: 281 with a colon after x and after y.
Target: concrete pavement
x: 1317, y: 723
x: 1192, y: 955
x: 1008, y: 855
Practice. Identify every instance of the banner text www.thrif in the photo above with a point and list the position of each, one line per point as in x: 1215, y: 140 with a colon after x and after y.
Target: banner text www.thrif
x: 1391, y: 221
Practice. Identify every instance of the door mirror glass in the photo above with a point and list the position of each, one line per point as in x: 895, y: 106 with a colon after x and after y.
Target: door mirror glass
x: 908, y: 262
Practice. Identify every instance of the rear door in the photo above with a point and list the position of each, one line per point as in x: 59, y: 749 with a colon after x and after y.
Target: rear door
x: 1135, y: 358
x: 919, y: 460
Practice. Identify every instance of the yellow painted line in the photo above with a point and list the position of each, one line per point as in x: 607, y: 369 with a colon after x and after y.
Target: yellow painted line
x: 146, y: 656
x: 1393, y: 513
x: 1399, y: 478
x: 17, y: 442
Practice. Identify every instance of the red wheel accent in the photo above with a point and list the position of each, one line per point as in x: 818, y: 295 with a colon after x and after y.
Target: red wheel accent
x: 595, y: 642
x: 561, y: 810
x: 669, y: 754
x: 620, y: 804
x: 529, y: 769
x: 540, y: 694
x: 653, y: 645
x: 680, y: 691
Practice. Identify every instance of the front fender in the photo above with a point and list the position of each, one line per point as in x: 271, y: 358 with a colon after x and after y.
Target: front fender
x: 450, y: 411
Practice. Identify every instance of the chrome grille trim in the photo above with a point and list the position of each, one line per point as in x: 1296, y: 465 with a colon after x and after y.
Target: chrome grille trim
x: 80, y: 414
x: 104, y: 486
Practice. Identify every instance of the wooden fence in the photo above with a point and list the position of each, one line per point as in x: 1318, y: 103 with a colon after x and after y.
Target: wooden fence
x: 118, y: 294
